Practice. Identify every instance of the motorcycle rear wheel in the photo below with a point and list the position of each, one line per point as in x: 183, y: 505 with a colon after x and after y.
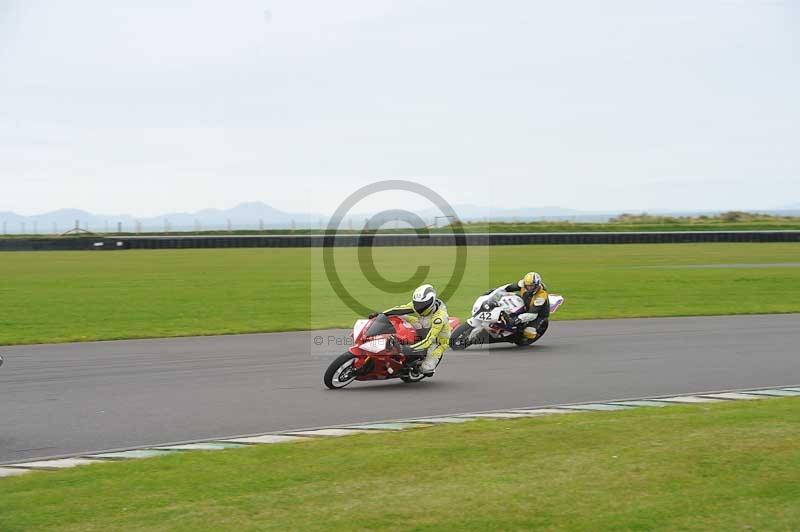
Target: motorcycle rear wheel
x: 410, y: 379
x: 342, y: 365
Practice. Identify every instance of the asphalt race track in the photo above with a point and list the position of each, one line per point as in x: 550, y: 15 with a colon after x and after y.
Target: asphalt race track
x: 75, y: 398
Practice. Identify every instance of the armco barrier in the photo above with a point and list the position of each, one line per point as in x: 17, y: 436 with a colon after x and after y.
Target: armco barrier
x: 50, y: 244
x: 304, y: 241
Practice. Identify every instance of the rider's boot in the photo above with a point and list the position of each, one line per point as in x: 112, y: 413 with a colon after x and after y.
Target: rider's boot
x: 428, y: 366
x: 530, y: 333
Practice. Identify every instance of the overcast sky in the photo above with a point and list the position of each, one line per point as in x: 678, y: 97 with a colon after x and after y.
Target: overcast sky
x: 588, y: 105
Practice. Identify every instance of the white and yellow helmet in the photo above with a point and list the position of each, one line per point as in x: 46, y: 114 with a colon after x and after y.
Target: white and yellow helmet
x: 532, y: 282
x: 423, y: 299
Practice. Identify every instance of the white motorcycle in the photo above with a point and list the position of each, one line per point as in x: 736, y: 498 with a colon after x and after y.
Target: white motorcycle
x: 489, y: 321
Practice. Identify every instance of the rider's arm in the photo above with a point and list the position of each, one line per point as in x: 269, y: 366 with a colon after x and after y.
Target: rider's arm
x: 540, y: 299
x: 400, y: 310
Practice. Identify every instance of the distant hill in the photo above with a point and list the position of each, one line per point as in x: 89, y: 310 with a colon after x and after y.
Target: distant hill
x: 255, y: 215
x: 244, y: 216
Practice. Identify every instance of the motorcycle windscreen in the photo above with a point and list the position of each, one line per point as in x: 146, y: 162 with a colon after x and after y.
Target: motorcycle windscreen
x: 380, y: 325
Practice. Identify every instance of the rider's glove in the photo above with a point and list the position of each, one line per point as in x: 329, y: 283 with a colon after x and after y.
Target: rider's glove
x: 393, y: 343
x: 508, y: 320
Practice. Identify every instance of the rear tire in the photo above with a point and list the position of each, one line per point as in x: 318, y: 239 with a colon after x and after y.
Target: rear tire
x: 342, y: 365
x: 460, y: 338
x: 408, y: 379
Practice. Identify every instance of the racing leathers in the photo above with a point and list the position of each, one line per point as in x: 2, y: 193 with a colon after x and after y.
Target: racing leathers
x: 536, y: 301
x: 435, y: 325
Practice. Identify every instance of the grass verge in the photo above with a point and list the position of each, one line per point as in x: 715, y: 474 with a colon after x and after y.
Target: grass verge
x: 78, y: 296
x: 704, y: 467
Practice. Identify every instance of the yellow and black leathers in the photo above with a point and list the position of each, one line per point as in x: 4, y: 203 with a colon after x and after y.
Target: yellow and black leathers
x: 535, y: 301
x: 436, y: 321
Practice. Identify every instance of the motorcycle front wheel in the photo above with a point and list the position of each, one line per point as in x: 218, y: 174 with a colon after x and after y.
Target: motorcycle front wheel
x: 341, y: 372
x: 459, y: 339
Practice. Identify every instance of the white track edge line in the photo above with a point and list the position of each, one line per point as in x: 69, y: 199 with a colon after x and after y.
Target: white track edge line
x: 421, y: 420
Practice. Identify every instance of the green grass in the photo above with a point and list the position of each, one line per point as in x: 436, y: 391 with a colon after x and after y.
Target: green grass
x: 78, y: 296
x: 727, y: 466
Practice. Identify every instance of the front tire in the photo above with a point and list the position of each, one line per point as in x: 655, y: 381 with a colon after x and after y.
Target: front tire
x: 341, y: 372
x: 460, y: 338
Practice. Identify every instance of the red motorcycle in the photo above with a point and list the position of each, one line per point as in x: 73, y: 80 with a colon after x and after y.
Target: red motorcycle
x: 377, y: 353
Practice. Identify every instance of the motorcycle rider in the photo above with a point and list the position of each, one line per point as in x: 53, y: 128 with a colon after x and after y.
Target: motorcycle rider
x: 426, y: 311
x: 533, y: 292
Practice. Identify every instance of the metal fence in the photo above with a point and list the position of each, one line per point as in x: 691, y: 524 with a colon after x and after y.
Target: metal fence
x: 305, y: 241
